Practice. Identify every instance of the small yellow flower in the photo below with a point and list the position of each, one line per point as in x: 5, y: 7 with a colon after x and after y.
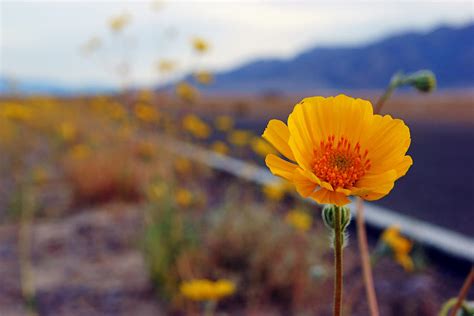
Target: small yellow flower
x: 203, y: 77
x: 166, y: 66
x: 182, y: 165
x: 183, y: 197
x: 399, y: 245
x: 80, y: 151
x: 157, y: 191
x: 275, y: 192
x: 207, y: 290
x: 197, y: 127
x: 67, y: 131
x: 337, y: 147
x: 187, y: 92
x: 16, y: 112
x: 239, y: 138
x: 91, y: 45
x: 146, y: 113
x: 261, y: 147
x: 200, y: 45
x: 118, y: 23
x: 300, y: 220
x: 224, y: 123
x: 220, y: 147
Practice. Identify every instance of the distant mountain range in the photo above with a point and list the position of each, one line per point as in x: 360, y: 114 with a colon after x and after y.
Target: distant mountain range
x: 447, y: 51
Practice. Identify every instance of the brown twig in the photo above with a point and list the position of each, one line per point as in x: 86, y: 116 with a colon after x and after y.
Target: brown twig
x: 365, y: 259
x: 463, y: 292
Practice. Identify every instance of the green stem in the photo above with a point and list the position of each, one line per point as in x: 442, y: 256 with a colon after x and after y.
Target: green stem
x: 338, y: 262
x: 210, y: 308
x: 395, y: 82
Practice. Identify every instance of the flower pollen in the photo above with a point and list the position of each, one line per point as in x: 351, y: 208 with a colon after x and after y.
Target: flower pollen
x: 340, y: 163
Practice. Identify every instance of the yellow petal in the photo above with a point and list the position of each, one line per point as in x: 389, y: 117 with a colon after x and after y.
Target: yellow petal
x: 280, y: 167
x: 305, y: 184
x: 375, y: 186
x: 324, y: 196
x: 278, y: 135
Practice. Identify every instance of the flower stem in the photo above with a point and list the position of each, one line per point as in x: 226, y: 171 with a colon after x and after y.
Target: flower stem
x: 365, y: 259
x: 394, y: 83
x: 338, y: 262
x: 463, y: 293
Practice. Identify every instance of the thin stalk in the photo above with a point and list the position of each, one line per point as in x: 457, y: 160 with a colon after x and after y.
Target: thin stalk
x: 365, y: 260
x: 360, y: 220
x: 337, y: 262
x: 463, y: 293
x: 24, y: 253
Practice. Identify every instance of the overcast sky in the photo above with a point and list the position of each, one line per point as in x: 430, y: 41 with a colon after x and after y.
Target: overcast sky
x: 41, y: 40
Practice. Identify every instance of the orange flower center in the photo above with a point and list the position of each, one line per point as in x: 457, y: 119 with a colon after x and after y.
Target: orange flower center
x: 340, y: 163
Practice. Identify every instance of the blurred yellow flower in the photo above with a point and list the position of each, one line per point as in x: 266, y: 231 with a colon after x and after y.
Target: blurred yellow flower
x: 203, y: 77
x: 224, y: 123
x: 17, y: 112
x: 337, y: 147
x: 200, y: 45
x: 183, y: 197
x: 67, y: 131
x: 220, y: 147
x: 239, y: 138
x: 166, y: 65
x: 261, y: 147
x: 40, y: 175
x: 207, y: 290
x: 118, y: 23
x: 399, y: 245
x: 91, y: 45
x: 183, y: 165
x: 197, y: 127
x: 146, y: 149
x: 300, y: 220
x: 187, y: 92
x: 146, y: 113
x: 80, y: 151
x: 275, y: 191
x: 157, y: 191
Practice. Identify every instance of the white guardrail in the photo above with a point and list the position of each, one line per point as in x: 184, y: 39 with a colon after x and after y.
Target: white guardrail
x: 442, y: 239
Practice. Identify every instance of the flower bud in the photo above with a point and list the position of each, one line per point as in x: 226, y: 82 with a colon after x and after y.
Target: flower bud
x: 423, y: 80
x: 329, y: 213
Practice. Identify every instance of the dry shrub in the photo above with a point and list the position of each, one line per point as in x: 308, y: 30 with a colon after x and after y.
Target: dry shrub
x: 109, y: 173
x: 270, y: 261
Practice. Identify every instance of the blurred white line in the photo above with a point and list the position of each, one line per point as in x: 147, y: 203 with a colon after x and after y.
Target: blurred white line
x: 447, y: 241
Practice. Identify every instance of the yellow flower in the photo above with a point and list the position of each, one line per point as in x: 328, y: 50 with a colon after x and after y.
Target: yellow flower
x: 220, y: 147
x: 299, y: 219
x: 187, y: 92
x: 276, y: 191
x: 67, y: 131
x: 207, y: 290
x: 200, y: 45
x: 197, y: 127
x: 262, y: 147
x: 203, y: 77
x: 337, y: 147
x: 399, y: 245
x: 16, y: 112
x: 166, y: 66
x: 157, y: 191
x: 80, y: 151
x: 183, y: 197
x: 182, y: 165
x: 239, y: 138
x: 146, y: 113
x: 119, y: 22
x: 224, y: 123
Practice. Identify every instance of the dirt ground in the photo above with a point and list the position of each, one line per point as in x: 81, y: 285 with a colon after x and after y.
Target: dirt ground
x: 90, y: 263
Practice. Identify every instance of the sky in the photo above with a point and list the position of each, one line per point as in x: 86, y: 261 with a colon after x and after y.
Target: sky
x: 41, y: 40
